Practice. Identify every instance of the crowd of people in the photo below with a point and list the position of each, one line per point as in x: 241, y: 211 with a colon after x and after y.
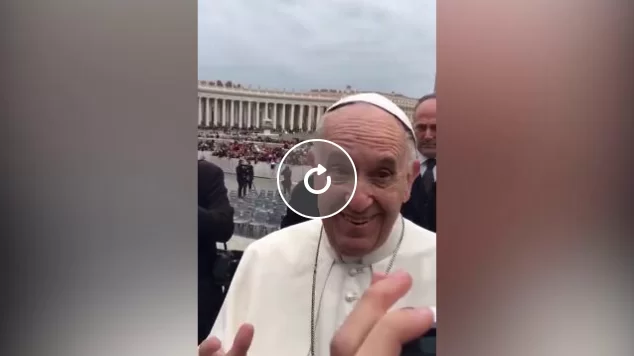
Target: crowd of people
x: 249, y: 135
x: 253, y: 151
x: 389, y: 225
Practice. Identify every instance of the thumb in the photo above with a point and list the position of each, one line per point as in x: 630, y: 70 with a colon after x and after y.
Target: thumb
x: 395, y: 329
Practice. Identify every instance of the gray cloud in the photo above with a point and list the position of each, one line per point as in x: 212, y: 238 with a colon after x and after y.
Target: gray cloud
x: 307, y: 44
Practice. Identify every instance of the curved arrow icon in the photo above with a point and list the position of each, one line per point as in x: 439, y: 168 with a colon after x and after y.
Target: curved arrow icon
x: 319, y: 170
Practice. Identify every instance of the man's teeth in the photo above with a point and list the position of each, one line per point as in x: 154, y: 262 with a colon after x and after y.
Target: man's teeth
x: 356, y: 221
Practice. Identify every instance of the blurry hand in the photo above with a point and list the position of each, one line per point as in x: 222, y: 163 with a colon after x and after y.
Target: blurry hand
x: 370, y: 330
x: 213, y: 347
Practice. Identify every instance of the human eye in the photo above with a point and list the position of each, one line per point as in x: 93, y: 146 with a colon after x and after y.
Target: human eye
x: 384, y: 174
x: 383, y: 177
x: 339, y: 173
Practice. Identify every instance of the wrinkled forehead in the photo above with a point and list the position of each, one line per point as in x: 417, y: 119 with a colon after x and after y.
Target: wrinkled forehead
x: 363, y: 128
x: 359, y: 115
x: 364, y: 111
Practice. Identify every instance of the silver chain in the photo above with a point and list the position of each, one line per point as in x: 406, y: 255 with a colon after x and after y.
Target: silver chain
x: 312, y: 304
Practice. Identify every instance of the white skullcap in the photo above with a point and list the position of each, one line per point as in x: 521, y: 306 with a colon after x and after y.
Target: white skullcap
x: 379, y: 101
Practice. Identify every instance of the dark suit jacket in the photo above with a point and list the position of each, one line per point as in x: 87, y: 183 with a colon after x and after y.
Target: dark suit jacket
x: 250, y: 173
x: 304, y: 202
x: 242, y: 173
x: 421, y: 207
x: 215, y: 215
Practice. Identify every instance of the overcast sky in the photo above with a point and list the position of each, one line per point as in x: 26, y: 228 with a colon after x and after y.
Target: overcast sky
x: 311, y: 44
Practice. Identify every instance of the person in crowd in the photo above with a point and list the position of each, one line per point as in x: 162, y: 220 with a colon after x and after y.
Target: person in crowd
x: 241, y: 147
x: 334, y: 259
x: 215, y: 224
x: 242, y: 176
x: 421, y: 207
x: 301, y: 200
x: 250, y: 175
x: 287, y: 182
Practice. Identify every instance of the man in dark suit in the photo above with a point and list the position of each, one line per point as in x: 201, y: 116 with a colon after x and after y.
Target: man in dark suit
x: 250, y: 175
x: 421, y: 207
x: 287, y: 183
x: 242, y: 176
x: 303, y: 201
x: 215, y: 224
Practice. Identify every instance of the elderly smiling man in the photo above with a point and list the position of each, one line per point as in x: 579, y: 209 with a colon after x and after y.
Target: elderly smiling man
x: 297, y: 286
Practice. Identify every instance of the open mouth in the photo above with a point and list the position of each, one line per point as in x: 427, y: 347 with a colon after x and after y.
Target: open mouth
x: 357, y: 221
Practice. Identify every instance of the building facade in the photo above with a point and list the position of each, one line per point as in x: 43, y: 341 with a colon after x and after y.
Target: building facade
x: 234, y: 106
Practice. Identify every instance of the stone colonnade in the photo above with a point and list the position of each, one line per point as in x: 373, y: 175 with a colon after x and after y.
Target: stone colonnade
x: 246, y: 113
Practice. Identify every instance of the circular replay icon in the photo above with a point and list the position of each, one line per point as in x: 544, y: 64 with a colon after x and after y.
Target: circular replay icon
x: 316, y: 179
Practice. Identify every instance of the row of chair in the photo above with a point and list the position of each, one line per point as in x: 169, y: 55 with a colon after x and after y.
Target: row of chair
x: 257, y: 213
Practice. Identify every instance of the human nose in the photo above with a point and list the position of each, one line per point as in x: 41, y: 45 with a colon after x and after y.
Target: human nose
x: 362, y: 197
x: 429, y: 134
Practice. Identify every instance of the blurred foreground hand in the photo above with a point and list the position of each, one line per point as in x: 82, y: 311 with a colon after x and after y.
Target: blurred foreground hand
x: 369, y: 330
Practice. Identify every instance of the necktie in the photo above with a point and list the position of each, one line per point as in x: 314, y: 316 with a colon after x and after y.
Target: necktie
x: 428, y: 176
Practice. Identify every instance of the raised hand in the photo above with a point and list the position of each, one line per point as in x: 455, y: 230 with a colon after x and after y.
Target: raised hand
x: 370, y: 330
x: 241, y: 344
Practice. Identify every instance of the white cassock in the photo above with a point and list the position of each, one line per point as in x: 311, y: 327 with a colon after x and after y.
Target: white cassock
x: 272, y: 286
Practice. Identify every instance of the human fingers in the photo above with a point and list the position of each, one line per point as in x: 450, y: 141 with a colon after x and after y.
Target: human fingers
x: 242, y: 341
x: 395, y: 329
x: 210, y: 347
x: 371, y: 307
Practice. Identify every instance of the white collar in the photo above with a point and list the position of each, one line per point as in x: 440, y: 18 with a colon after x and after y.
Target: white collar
x: 384, y: 251
x: 422, y: 159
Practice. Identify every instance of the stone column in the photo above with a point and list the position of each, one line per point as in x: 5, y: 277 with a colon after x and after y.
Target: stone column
x: 301, y: 118
x: 215, y: 113
x: 275, y: 116
x: 258, y: 114
x: 219, y: 112
x: 240, y: 113
x: 318, y: 115
x: 292, y: 117
x: 232, y: 113
x: 224, y: 112
x: 249, y: 114
x: 282, y: 125
x: 207, y: 111
x: 200, y: 111
x: 311, y: 118
x: 264, y: 114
